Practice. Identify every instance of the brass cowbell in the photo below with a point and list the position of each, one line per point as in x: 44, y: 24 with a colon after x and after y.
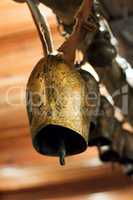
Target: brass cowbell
x: 56, y: 108
x: 56, y: 104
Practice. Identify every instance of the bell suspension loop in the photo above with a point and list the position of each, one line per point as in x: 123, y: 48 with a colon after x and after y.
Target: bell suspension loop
x: 42, y: 26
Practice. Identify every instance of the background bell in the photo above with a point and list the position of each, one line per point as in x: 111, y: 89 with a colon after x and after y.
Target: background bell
x: 113, y: 151
x: 101, y: 52
x: 127, y: 154
x: 105, y: 124
x: 128, y: 169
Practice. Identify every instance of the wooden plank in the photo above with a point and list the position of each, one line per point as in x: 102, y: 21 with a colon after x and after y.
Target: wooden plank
x: 85, y: 179
x: 20, y: 166
x: 15, y: 15
x: 20, y: 47
x: 63, y: 193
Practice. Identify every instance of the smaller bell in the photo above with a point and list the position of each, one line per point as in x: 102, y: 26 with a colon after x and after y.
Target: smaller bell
x: 127, y: 154
x: 113, y: 151
x: 128, y: 170
x: 107, y: 155
x: 105, y: 125
x: 101, y: 52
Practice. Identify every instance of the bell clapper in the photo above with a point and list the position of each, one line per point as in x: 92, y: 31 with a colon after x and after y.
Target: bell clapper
x: 62, y: 153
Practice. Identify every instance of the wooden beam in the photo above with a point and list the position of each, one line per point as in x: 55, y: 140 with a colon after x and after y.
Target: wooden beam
x: 20, y: 166
x: 77, y: 181
x: 20, y: 47
x: 64, y: 192
x: 16, y: 17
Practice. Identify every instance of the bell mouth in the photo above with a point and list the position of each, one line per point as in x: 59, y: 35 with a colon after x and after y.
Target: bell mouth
x: 96, y: 138
x: 49, y: 139
x: 129, y: 173
x: 128, y: 170
x: 98, y: 141
x: 109, y: 156
x: 127, y: 159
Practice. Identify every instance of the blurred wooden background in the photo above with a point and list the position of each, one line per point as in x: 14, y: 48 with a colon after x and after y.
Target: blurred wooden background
x: 24, y: 174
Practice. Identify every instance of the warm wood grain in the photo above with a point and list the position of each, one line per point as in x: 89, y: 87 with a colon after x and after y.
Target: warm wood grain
x: 93, y: 179
x: 20, y: 166
x: 95, y: 187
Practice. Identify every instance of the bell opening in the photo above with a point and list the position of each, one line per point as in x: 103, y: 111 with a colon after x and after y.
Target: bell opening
x: 50, y: 138
x: 97, y: 139
x: 128, y: 159
x: 129, y: 171
x: 109, y: 156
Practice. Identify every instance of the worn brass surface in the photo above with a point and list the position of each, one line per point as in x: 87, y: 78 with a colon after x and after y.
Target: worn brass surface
x: 56, y: 103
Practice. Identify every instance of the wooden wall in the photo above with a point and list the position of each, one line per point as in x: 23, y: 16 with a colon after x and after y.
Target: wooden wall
x: 24, y: 174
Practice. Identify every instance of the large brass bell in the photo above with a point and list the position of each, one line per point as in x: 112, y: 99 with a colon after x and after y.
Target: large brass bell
x: 57, y: 113
x: 56, y: 104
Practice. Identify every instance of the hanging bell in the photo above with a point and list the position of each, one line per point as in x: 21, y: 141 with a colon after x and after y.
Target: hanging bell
x: 64, y: 9
x: 56, y: 103
x: 128, y: 170
x: 105, y: 124
x: 101, y: 52
x: 127, y: 154
x: 56, y: 98
x: 56, y: 107
x: 112, y: 152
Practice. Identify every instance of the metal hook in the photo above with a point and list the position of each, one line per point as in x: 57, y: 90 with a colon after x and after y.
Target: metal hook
x: 42, y: 26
